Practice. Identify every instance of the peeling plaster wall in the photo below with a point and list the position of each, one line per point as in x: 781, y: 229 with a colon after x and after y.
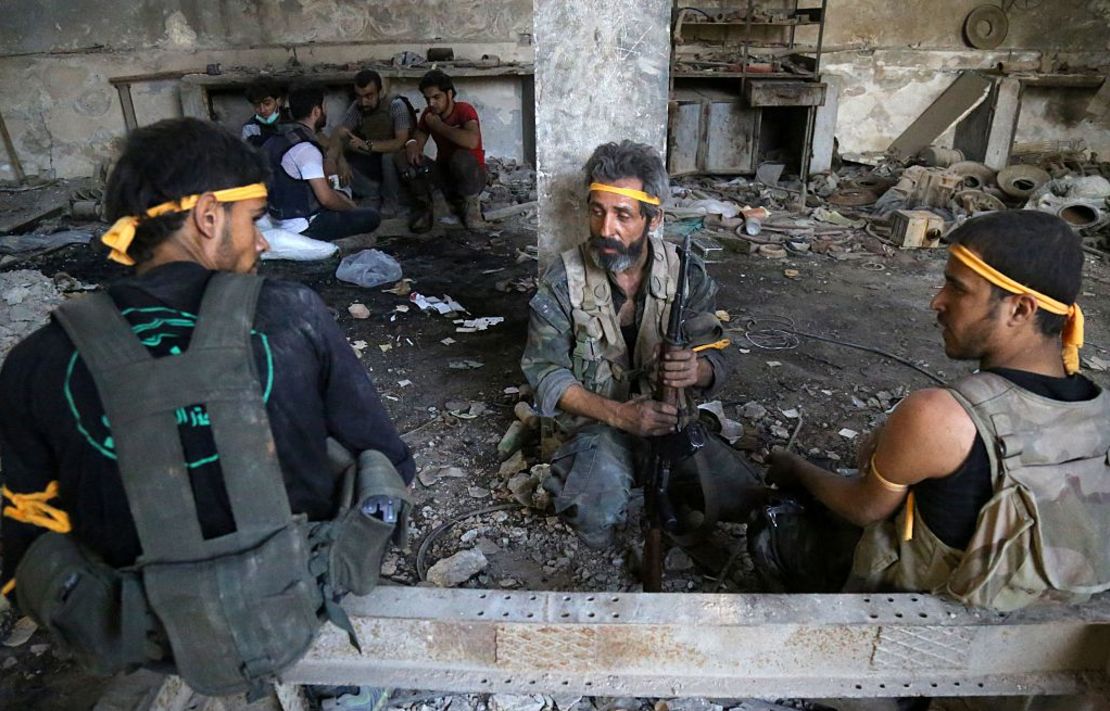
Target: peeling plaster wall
x: 56, y: 58
x: 891, y: 60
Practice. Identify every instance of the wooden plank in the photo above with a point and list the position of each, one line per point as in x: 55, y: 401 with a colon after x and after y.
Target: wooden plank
x: 1004, y: 121
x: 128, y: 106
x: 964, y: 94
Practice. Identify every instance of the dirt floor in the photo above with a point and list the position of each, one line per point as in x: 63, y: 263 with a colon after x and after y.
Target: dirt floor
x: 454, y: 400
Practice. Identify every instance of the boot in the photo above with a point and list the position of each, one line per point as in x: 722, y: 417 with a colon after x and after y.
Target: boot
x: 421, y: 217
x: 472, y: 214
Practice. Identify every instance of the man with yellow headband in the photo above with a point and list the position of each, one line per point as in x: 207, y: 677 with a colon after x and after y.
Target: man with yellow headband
x: 597, y: 322
x: 174, y: 446
x: 995, y: 489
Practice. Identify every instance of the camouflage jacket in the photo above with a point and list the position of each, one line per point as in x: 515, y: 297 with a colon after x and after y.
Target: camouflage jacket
x: 1041, y: 537
x: 547, y: 360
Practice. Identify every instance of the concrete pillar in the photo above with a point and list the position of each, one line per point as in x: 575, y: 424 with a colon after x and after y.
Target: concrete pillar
x: 601, y: 75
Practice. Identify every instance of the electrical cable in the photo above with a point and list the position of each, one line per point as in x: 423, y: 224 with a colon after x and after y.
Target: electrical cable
x: 765, y: 339
x: 422, y: 552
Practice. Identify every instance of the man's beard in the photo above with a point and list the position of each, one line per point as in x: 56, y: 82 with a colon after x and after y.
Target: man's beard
x: 321, y: 123
x: 622, y: 257
x: 367, y: 110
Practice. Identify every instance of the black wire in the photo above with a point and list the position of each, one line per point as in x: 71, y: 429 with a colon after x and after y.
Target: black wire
x: 421, y: 569
x: 785, y: 324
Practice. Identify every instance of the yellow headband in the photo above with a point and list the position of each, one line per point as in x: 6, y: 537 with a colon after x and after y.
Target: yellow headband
x: 120, y: 235
x: 1073, y: 328
x: 627, y: 192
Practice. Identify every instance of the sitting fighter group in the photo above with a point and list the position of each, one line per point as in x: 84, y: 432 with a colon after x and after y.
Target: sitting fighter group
x: 196, y: 454
x: 375, y: 153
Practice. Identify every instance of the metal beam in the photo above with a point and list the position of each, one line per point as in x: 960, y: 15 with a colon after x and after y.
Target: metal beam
x: 690, y: 645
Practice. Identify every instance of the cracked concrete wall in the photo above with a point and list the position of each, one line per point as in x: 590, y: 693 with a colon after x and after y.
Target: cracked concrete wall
x: 56, y: 59
x: 602, y: 73
x: 892, y: 60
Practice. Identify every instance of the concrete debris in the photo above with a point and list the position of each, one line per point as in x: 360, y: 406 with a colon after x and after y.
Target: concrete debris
x: 527, y: 487
x: 359, y: 311
x: 465, y: 364
x: 753, y: 411
x: 514, y: 702
x: 458, y: 568
x: 513, y: 464
x: 677, y: 560
x: 26, y: 300
x: 731, y: 430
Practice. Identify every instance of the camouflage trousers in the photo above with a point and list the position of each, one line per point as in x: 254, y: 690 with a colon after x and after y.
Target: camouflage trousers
x: 593, y: 475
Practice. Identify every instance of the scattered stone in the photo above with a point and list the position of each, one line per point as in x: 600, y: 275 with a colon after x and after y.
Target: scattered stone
x: 9, y: 663
x: 39, y: 649
x: 469, y: 536
x: 791, y: 414
x: 389, y: 566
x: 428, y: 476
x: 477, y: 492
x: 677, y: 560
x: 358, y: 311
x: 513, y: 464
x: 753, y: 411
x: 458, y: 568
x: 848, y: 434
x: 514, y: 702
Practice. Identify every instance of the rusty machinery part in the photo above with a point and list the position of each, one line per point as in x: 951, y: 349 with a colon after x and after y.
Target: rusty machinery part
x: 978, y: 201
x: 941, y: 157
x: 1081, y: 215
x: 853, y: 197
x: 974, y: 175
x: 1020, y: 181
x: 872, y: 182
x: 986, y: 26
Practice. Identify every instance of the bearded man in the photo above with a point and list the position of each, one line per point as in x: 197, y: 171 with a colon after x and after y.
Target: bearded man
x: 596, y: 326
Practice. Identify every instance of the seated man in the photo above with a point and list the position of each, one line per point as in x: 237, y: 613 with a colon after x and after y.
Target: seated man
x: 301, y: 198
x: 164, y: 441
x: 376, y: 126
x: 597, y: 323
x: 992, y: 490
x: 459, y: 168
x: 268, y: 102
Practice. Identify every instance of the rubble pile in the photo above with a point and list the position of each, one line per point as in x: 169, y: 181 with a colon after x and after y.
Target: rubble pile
x: 510, y: 183
x: 26, y: 299
x: 890, y: 203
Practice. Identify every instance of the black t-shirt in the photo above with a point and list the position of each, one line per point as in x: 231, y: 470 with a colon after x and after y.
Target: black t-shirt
x: 52, y: 425
x: 950, y: 505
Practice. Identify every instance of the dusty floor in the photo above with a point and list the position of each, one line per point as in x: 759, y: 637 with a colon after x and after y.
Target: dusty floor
x: 875, y: 297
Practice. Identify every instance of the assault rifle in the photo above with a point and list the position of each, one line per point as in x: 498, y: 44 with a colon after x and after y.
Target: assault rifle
x: 669, y: 449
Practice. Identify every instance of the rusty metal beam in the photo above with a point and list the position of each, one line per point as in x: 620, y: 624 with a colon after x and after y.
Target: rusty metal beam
x: 660, y: 645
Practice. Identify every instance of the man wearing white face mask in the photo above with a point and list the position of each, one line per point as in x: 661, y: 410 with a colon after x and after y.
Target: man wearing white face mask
x: 268, y: 101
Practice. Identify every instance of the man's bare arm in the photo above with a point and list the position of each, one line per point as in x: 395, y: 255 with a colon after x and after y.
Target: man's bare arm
x: 329, y: 198
x: 467, y: 136
x: 927, y: 436
x: 641, y: 417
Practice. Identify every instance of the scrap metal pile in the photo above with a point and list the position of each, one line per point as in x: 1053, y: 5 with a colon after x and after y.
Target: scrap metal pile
x: 892, y: 203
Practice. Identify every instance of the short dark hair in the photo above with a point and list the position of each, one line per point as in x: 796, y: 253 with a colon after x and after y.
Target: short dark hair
x: 262, y: 89
x: 168, y: 160
x: 303, y: 99
x: 366, y: 76
x: 628, y: 159
x: 439, y: 80
x: 1033, y: 248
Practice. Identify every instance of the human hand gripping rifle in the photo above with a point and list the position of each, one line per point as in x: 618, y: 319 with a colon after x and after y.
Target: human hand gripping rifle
x: 668, y: 449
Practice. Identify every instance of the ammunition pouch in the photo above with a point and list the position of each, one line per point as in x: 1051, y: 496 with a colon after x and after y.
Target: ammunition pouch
x: 95, y: 613
x: 359, y: 541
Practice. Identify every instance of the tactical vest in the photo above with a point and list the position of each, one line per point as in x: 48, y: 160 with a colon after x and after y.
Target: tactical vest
x: 266, y: 131
x: 229, y: 612
x: 290, y: 197
x: 1041, y: 537
x: 600, y: 359
x: 378, y: 124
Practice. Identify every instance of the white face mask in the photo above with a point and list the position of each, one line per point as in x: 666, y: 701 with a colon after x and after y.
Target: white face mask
x: 272, y: 119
